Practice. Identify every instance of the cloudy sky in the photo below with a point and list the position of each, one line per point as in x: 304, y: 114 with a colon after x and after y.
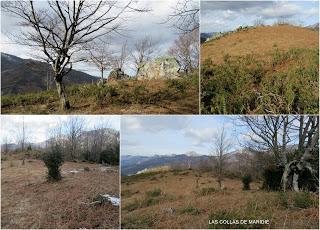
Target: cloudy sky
x: 38, y: 127
x: 228, y: 15
x: 135, y: 26
x: 165, y: 135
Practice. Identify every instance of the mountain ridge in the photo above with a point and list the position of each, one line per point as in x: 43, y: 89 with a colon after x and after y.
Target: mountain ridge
x: 20, y: 75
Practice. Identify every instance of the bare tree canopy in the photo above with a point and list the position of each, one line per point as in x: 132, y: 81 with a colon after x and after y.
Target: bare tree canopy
x: 143, y: 51
x: 293, y: 141
x: 186, y: 50
x: 21, y: 135
x: 222, y: 146
x: 119, y: 59
x: 63, y: 28
x: 185, y: 16
x: 100, y: 54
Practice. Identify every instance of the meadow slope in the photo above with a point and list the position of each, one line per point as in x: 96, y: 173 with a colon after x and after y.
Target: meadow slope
x: 260, y: 41
x: 29, y: 201
x: 117, y: 97
x: 173, y: 200
x: 261, y: 70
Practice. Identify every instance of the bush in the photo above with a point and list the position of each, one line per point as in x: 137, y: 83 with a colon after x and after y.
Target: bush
x: 53, y: 160
x: 246, y: 180
x: 131, y: 206
x: 178, y: 85
x: 246, y: 85
x: 29, y: 148
x: 154, y: 193
x: 272, y: 178
x: 110, y: 156
x: 283, y: 199
x: 303, y: 200
x: 190, y: 210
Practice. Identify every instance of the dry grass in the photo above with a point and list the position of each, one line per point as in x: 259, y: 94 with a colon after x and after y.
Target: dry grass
x: 153, y: 97
x: 191, y: 210
x: 260, y: 41
x: 29, y: 201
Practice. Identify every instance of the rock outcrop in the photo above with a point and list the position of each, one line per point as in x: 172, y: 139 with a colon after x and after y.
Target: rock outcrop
x: 117, y: 74
x: 160, y: 68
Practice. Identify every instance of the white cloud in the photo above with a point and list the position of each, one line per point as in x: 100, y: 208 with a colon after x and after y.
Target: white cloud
x: 201, y: 136
x: 153, y: 123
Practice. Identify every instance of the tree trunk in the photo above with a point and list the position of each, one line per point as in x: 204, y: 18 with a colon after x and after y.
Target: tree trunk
x: 65, y: 105
x: 295, y: 182
x: 102, y: 74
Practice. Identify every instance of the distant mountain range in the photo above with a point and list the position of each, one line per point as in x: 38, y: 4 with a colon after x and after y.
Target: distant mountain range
x: 132, y: 164
x: 27, y: 75
x: 205, y: 36
x: 314, y: 27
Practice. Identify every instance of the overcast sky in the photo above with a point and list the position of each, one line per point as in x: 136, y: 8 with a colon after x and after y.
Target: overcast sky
x: 136, y: 25
x: 166, y: 135
x: 38, y: 126
x: 228, y: 15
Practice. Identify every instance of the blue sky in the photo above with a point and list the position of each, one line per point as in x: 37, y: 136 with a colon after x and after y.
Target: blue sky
x: 228, y: 15
x: 38, y: 126
x: 165, y: 135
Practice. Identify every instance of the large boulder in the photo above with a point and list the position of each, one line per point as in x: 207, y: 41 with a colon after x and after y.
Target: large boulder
x: 160, y: 68
x: 117, y: 74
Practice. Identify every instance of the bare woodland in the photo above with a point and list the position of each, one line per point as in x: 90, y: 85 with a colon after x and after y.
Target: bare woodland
x: 99, y: 144
x: 68, y: 32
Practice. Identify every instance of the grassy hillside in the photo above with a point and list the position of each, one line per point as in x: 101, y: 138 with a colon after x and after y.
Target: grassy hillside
x: 117, y: 97
x: 173, y: 200
x: 29, y: 201
x: 267, y: 69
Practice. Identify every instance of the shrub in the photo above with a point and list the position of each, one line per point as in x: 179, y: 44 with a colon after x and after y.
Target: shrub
x: 53, y: 160
x: 303, y: 200
x: 149, y: 202
x: 131, y: 206
x: 176, y: 84
x: 272, y: 178
x: 246, y: 180
x: 190, y: 210
x: 154, y: 193
x: 110, y: 155
x: 29, y: 148
x: 246, y: 85
x: 283, y: 199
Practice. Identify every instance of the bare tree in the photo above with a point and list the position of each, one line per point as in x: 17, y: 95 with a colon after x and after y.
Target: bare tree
x: 100, y: 56
x: 119, y: 60
x: 73, y: 130
x: 186, y: 50
x: 190, y: 155
x: 269, y: 133
x: 185, y: 16
x: 222, y: 146
x: 143, y: 51
x: 5, y: 145
x: 21, y: 135
x: 62, y: 28
x: 55, y: 136
x: 276, y: 134
x: 308, y: 150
